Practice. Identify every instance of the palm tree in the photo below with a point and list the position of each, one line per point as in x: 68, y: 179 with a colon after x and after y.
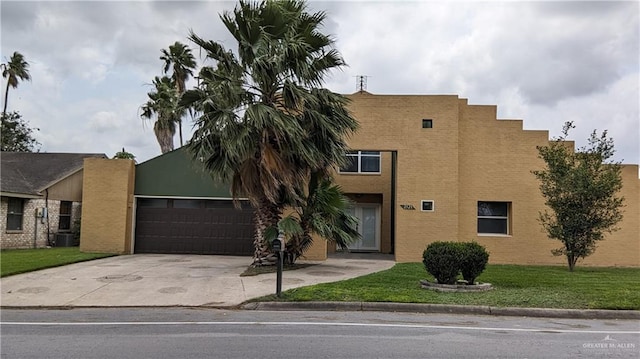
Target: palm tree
x: 15, y: 70
x: 181, y: 61
x: 258, y: 112
x: 325, y: 212
x: 163, y: 103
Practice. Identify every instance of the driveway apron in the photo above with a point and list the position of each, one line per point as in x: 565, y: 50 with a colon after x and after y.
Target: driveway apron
x: 142, y: 280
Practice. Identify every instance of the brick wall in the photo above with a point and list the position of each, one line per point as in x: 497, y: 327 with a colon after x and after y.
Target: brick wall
x: 33, y: 229
x: 372, y: 188
x: 469, y: 156
x: 107, y: 204
x: 426, y: 164
x: 317, y: 251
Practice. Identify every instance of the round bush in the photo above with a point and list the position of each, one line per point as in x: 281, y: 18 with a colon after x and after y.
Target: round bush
x: 441, y: 261
x: 473, y: 260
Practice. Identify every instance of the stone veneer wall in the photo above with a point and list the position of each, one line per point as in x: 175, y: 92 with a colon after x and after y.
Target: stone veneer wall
x: 33, y: 228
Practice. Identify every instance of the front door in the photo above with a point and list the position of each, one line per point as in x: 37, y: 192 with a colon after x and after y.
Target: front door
x: 368, y: 216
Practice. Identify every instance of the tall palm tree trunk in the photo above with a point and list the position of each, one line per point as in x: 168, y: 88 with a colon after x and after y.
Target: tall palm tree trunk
x: 267, y: 215
x: 165, y: 139
x: 6, y: 98
x: 180, y: 131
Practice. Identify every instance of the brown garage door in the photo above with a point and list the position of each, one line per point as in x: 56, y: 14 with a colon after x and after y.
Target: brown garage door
x: 193, y: 226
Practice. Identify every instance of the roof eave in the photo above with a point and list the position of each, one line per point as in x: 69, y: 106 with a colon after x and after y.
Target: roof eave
x: 19, y: 195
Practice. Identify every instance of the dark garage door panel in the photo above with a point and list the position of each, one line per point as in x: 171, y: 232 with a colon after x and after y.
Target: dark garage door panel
x: 197, y: 231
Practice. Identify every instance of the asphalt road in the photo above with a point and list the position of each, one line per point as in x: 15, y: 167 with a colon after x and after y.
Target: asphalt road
x: 209, y: 333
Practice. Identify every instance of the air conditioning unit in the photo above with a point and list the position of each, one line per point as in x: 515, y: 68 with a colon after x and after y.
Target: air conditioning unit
x: 65, y: 240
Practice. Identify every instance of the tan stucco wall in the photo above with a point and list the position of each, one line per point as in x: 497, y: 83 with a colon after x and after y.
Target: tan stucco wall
x: 469, y: 156
x: 107, y: 206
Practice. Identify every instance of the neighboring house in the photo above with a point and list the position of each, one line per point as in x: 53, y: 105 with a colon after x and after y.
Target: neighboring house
x: 423, y: 168
x: 40, y: 197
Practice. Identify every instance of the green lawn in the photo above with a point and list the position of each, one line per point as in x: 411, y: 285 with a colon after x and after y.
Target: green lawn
x: 14, y: 261
x: 515, y: 286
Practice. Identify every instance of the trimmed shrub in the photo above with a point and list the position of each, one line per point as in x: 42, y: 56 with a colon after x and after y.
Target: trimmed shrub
x: 473, y: 260
x: 441, y: 260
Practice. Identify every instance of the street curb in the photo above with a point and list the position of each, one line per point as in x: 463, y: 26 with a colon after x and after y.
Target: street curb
x: 444, y: 308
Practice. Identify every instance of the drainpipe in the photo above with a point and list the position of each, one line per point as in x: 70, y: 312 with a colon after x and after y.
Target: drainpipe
x: 35, y: 231
x: 394, y: 174
x: 46, y: 205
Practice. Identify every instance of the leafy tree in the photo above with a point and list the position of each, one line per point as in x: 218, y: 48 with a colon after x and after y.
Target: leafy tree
x: 14, y: 71
x: 164, y: 104
x: 16, y: 134
x: 264, y: 123
x: 124, y: 155
x: 580, y: 189
x: 179, y: 59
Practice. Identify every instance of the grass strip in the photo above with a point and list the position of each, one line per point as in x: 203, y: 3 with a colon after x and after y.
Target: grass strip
x: 514, y: 286
x: 15, y: 261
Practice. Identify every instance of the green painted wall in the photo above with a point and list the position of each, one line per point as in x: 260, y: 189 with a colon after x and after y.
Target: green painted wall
x: 175, y: 174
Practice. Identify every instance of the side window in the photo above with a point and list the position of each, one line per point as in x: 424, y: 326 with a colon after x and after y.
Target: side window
x: 152, y: 202
x: 14, y: 214
x: 64, y: 224
x: 493, y: 217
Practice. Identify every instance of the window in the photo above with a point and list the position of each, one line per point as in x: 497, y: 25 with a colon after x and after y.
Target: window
x: 427, y: 123
x: 220, y: 204
x: 362, y: 162
x: 427, y: 206
x: 187, y: 203
x: 152, y: 202
x: 493, y: 217
x: 14, y: 214
x: 64, y: 223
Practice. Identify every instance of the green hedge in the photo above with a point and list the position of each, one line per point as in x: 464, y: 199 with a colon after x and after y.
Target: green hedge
x: 446, y: 260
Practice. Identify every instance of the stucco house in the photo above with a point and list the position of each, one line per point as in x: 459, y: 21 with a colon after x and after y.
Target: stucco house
x: 423, y: 168
x: 40, y: 197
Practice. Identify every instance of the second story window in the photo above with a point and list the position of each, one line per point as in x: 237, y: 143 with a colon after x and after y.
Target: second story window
x: 362, y: 162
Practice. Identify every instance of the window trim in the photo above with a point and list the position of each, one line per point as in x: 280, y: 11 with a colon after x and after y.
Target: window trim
x: 507, y: 218
x: 427, y: 123
x: 20, y: 215
x: 69, y: 215
x: 433, y: 205
x: 359, y: 155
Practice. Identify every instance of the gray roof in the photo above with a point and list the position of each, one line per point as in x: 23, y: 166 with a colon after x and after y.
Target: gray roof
x: 30, y: 173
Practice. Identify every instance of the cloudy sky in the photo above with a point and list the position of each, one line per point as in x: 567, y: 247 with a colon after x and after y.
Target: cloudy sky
x: 545, y: 62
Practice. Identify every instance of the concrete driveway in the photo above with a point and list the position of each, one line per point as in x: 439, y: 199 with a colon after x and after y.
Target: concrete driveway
x: 141, y: 280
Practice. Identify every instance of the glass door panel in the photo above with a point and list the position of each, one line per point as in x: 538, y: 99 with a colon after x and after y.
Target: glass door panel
x: 368, y: 216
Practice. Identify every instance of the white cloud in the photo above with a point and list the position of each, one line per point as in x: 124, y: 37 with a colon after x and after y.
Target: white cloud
x: 543, y: 62
x: 104, y: 121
